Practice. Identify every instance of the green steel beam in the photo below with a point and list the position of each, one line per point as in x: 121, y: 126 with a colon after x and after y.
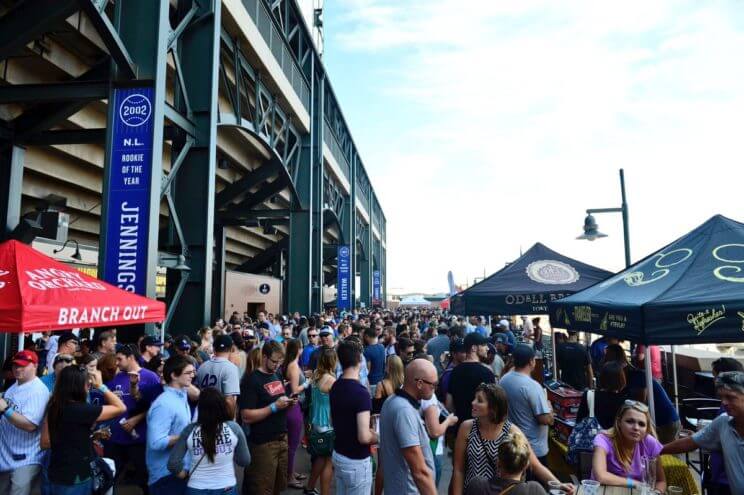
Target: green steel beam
x: 241, y: 186
x: 93, y: 8
x: 317, y: 204
x: 142, y: 26
x: 42, y: 117
x: 218, y: 276
x: 265, y: 258
x: 63, y: 91
x: 29, y: 20
x: 197, y: 50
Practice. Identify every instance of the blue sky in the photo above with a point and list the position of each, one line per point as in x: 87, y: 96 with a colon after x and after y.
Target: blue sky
x: 486, y: 126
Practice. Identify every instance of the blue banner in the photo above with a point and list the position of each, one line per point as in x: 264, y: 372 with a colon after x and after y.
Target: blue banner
x: 343, y: 285
x: 128, y: 198
x: 376, y: 288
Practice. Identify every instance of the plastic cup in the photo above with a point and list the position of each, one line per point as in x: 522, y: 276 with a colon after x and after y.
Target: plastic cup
x: 589, y: 487
x: 674, y: 490
x: 554, y: 485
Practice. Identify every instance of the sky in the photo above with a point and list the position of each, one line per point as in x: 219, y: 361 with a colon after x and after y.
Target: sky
x: 486, y: 126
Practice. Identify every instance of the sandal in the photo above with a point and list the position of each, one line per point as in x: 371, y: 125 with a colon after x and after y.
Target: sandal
x: 296, y: 484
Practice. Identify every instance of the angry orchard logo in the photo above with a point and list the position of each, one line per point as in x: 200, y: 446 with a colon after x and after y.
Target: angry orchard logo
x: 2, y: 274
x: 552, y: 272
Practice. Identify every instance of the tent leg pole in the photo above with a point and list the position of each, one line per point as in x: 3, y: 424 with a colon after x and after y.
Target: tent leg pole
x: 650, y: 384
x: 674, y: 374
x: 21, y: 338
x: 555, y: 358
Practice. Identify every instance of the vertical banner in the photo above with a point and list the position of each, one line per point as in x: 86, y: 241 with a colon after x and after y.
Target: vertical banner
x: 343, y: 285
x: 376, y: 288
x: 128, y: 198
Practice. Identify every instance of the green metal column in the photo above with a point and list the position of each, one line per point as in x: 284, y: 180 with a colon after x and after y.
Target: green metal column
x: 318, y: 170
x: 143, y: 28
x: 300, y: 276
x: 11, y: 182
x: 194, y: 187
x: 218, y: 275
x: 350, y: 233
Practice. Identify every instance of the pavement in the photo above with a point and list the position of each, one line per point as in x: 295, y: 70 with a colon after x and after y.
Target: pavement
x: 302, y: 465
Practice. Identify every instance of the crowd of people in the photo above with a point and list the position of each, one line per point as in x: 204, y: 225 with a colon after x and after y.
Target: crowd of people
x: 380, y: 399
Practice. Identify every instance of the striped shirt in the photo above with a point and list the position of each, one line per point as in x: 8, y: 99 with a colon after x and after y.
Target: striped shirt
x: 20, y: 448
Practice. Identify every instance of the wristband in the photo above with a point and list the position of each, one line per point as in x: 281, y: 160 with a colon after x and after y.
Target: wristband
x: 629, y: 482
x: 273, y: 408
x: 8, y: 412
x: 103, y: 389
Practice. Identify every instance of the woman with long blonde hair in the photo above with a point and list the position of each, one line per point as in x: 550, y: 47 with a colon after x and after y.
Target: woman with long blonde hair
x: 620, y: 452
x: 320, y: 421
x: 394, y: 376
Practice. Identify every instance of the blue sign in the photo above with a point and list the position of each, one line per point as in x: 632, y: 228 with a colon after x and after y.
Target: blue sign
x: 376, y: 288
x: 128, y: 198
x: 343, y: 285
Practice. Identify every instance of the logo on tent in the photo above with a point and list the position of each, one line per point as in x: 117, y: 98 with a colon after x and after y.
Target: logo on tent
x: 552, y: 272
x: 2, y: 274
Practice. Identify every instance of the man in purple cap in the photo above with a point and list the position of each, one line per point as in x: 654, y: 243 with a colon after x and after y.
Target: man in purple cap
x: 21, y: 414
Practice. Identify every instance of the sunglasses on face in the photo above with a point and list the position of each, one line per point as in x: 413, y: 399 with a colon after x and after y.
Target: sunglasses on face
x: 63, y: 360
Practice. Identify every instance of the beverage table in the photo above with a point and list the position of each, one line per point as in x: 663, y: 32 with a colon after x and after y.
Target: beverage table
x: 612, y: 490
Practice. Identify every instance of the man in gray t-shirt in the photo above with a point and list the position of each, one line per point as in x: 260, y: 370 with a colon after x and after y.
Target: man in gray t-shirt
x: 528, y: 404
x: 405, y: 452
x: 725, y: 434
x: 220, y: 373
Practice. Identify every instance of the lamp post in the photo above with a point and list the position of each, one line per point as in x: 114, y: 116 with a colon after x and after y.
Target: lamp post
x: 591, y: 233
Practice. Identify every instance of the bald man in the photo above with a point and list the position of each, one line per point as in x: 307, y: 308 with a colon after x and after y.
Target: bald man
x: 407, y: 459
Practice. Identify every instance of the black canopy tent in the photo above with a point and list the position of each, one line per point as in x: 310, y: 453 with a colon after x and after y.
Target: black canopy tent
x: 527, y: 285
x: 689, y: 292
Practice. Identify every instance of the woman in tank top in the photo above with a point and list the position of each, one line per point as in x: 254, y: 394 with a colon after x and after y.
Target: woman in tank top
x: 393, y: 381
x: 478, y: 441
x: 320, y: 419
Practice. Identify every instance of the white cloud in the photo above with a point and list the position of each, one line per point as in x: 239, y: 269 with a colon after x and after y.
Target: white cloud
x: 527, y: 111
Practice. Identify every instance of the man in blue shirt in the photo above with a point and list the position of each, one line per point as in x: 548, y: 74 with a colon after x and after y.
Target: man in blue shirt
x: 374, y: 354
x: 312, y: 338
x: 168, y: 416
x: 61, y: 361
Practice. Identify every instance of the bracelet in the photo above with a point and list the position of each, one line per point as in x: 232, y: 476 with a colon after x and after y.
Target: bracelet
x: 629, y: 482
x: 273, y: 407
x: 103, y: 389
x: 8, y: 412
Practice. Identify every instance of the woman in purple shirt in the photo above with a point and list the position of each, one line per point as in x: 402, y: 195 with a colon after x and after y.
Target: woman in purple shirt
x: 619, y: 451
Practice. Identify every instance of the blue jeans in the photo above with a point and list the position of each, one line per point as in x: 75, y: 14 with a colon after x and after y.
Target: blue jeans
x: 353, y: 476
x: 168, y: 485
x: 438, y: 469
x: 219, y: 491
x: 84, y: 488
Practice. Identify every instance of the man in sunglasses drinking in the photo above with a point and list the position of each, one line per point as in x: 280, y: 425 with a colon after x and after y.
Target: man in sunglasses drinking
x: 725, y: 434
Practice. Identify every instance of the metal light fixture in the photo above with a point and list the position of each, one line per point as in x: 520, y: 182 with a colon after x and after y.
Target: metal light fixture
x: 76, y: 254
x: 591, y: 229
x: 174, y: 262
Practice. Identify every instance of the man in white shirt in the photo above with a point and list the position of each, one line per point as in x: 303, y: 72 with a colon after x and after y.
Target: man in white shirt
x: 21, y: 413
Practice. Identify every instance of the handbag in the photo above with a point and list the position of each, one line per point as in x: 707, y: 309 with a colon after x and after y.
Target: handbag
x: 582, y: 436
x: 321, y: 444
x: 102, y: 476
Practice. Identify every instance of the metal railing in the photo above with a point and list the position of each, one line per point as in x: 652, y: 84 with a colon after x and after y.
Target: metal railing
x: 329, y: 137
x: 280, y: 49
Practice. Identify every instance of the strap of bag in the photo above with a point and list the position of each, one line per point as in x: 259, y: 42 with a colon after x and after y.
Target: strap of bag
x: 508, y: 489
x: 590, y: 402
x: 196, y: 465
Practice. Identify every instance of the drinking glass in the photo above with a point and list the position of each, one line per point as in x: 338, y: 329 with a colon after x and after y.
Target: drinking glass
x: 554, y: 485
x: 649, y: 471
x: 589, y: 487
x: 674, y: 490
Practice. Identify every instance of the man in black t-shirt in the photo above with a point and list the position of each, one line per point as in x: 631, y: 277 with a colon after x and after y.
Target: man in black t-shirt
x: 467, y: 376
x: 574, y: 363
x: 263, y: 405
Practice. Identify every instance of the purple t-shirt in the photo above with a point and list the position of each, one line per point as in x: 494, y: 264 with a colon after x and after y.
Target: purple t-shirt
x: 648, y: 447
x: 149, y: 387
x: 348, y: 397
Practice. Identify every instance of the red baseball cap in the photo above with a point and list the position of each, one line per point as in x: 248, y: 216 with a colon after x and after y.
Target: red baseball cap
x: 24, y: 358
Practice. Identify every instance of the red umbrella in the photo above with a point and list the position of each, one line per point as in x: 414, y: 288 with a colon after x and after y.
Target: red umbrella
x: 445, y: 304
x: 38, y: 294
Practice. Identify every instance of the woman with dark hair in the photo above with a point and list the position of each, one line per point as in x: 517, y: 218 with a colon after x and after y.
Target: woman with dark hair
x: 479, y: 439
x: 295, y: 426
x: 156, y: 365
x: 213, y: 443
x: 67, y: 429
x: 609, y: 396
x: 615, y: 353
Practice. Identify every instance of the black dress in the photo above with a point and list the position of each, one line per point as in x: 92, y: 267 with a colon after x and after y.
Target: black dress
x: 72, y: 447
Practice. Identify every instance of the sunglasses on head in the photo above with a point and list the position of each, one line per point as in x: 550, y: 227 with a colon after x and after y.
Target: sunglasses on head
x: 636, y: 405
x: 731, y: 378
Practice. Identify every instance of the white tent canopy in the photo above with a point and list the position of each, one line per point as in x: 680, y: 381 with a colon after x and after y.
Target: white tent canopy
x: 417, y: 300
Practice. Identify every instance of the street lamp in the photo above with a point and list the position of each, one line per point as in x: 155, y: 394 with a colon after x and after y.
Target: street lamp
x: 591, y: 232
x: 591, y: 229
x: 76, y: 254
